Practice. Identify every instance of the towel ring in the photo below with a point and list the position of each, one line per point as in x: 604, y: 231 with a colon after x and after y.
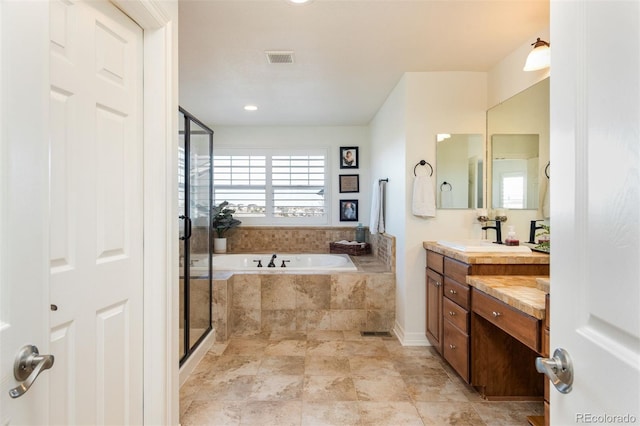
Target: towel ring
x: 422, y: 163
x: 546, y: 169
x: 444, y: 185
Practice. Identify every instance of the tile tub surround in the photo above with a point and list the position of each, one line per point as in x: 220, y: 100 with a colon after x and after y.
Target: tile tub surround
x: 254, y: 304
x: 298, y: 239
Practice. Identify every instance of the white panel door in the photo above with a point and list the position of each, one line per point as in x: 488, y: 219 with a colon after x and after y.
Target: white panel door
x: 595, y: 202
x: 96, y: 214
x: 24, y: 164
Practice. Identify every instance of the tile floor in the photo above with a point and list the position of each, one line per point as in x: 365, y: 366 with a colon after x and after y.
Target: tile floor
x: 334, y: 378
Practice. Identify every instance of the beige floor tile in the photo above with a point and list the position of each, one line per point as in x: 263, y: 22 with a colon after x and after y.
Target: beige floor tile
x: 286, y: 348
x: 334, y: 413
x: 277, y: 388
x: 381, y: 388
x: 272, y: 413
x: 372, y: 366
x: 328, y: 388
x: 326, y: 366
x: 326, y: 348
x: 389, y: 414
x: 416, y: 366
x: 287, y: 365
x: 431, y: 388
x: 507, y: 413
x: 235, y: 365
x: 325, y: 335
x: 366, y: 348
x: 449, y: 413
x: 246, y: 346
x: 217, y: 413
x: 226, y: 388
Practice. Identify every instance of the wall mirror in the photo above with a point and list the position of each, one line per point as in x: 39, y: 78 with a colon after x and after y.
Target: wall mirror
x: 518, y: 151
x: 459, y: 171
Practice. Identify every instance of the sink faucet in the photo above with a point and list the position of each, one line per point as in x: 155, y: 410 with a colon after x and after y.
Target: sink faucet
x: 498, y: 229
x: 271, y: 263
x: 532, y: 230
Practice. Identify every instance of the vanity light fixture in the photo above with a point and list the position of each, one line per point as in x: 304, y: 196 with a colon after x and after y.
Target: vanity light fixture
x: 250, y: 108
x: 539, y: 57
x: 299, y: 1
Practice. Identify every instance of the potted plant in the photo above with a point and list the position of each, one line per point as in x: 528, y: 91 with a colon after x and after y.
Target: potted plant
x: 222, y: 221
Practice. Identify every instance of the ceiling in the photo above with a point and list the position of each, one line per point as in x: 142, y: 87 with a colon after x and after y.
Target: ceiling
x: 348, y: 54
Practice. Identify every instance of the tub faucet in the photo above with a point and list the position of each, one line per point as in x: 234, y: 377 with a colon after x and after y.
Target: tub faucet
x: 498, y: 229
x: 271, y: 263
x: 532, y: 230
x: 284, y: 264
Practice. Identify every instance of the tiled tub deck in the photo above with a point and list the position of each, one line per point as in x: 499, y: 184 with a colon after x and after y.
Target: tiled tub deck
x: 251, y: 304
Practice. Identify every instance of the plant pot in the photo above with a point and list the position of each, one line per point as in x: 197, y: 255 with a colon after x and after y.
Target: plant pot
x: 219, y: 245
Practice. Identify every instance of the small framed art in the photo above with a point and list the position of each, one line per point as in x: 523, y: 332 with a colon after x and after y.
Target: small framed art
x: 348, y: 210
x: 349, y: 157
x: 349, y: 183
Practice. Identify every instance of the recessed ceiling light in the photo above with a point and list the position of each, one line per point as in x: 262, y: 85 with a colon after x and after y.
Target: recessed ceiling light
x: 250, y: 108
x: 299, y: 1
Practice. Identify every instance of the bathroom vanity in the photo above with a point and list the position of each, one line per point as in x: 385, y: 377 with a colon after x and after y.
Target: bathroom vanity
x: 485, y: 316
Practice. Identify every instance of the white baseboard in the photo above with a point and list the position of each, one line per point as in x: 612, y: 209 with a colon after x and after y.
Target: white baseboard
x: 410, y: 339
x: 190, y: 364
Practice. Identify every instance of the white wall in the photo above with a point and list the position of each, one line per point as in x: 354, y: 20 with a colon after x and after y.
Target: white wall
x: 331, y: 138
x: 388, y: 146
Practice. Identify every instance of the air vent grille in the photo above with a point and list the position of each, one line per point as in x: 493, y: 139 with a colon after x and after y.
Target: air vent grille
x: 279, y: 57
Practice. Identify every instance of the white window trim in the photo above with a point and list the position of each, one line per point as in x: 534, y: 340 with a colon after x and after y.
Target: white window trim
x: 285, y: 221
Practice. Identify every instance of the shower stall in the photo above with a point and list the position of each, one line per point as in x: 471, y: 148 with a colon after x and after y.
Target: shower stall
x: 195, y: 178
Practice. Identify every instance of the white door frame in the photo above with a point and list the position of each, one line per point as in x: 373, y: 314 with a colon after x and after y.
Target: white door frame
x: 159, y: 20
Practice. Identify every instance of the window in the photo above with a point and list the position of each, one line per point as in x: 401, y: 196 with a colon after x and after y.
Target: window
x: 512, y: 189
x: 272, y: 186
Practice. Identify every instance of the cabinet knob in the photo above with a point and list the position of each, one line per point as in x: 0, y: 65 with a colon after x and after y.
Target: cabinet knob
x: 452, y: 313
x: 452, y: 291
x: 496, y: 314
x: 452, y: 346
x: 438, y: 284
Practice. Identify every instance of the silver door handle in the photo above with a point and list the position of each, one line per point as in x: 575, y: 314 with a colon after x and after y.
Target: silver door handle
x: 27, y: 367
x: 559, y: 369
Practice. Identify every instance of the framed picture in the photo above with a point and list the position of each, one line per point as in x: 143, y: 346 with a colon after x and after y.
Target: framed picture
x: 348, y: 210
x: 348, y: 157
x: 349, y: 183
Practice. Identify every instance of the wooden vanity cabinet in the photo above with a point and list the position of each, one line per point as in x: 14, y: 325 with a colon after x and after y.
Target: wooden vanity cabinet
x: 448, y: 303
x: 434, y: 330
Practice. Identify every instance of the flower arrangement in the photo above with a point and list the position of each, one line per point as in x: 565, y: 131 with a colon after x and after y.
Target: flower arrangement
x: 222, y: 219
x: 544, y: 242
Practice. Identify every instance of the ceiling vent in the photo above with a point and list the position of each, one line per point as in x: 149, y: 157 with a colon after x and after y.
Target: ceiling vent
x: 279, y: 57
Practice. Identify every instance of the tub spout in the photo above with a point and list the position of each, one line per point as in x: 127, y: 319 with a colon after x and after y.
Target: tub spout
x: 271, y: 263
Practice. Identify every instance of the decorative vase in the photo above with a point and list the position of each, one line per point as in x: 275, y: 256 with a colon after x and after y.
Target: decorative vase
x: 219, y: 245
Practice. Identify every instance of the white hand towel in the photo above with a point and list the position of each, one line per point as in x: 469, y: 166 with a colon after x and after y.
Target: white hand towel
x: 424, y: 199
x: 377, y: 214
x: 446, y: 199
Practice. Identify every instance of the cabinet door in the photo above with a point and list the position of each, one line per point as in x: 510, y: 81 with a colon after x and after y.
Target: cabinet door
x: 434, y: 309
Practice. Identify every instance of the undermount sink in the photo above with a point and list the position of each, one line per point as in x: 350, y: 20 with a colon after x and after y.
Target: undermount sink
x: 482, y: 246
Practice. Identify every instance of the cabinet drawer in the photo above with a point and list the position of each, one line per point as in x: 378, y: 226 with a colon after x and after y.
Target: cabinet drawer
x: 435, y: 261
x: 521, y: 326
x: 456, y: 270
x: 457, y: 292
x: 456, y: 315
x: 456, y: 349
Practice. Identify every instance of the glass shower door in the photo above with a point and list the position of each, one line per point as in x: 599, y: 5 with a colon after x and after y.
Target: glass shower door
x: 194, y: 204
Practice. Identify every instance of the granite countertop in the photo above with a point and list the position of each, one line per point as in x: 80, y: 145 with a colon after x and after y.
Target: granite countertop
x: 488, y: 257
x: 521, y: 292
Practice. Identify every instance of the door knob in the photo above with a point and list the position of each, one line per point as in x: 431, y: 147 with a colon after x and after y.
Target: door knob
x: 27, y: 367
x: 559, y: 369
